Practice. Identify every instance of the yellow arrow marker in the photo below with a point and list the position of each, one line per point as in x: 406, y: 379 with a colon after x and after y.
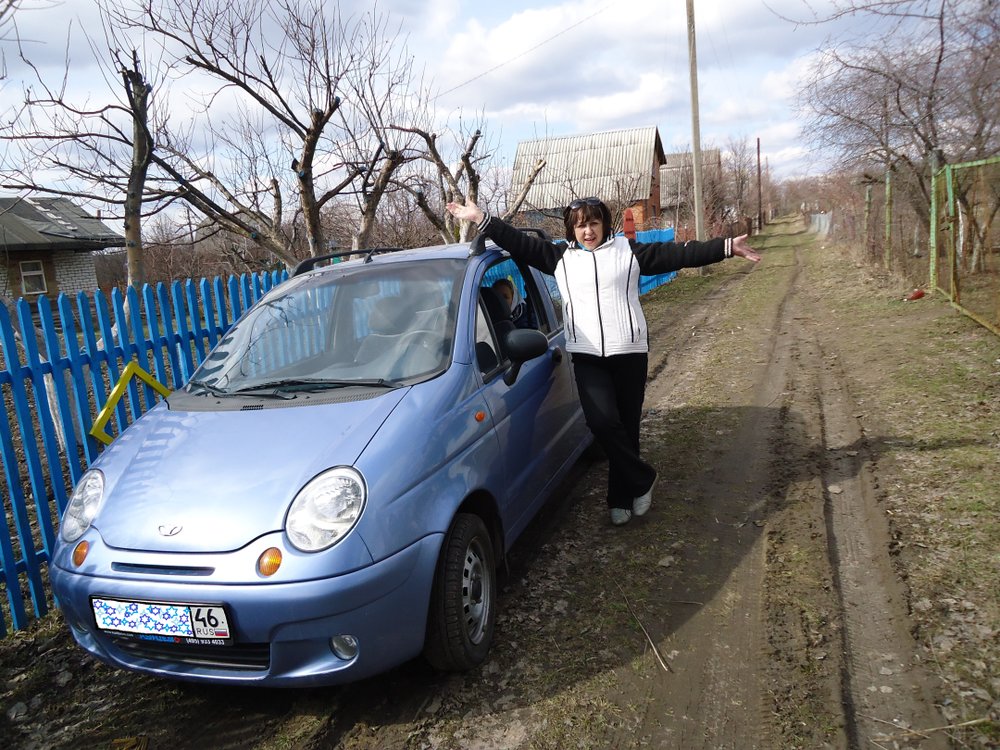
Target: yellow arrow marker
x: 132, y: 370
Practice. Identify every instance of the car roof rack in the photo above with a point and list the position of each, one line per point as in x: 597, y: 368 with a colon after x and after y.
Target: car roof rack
x: 310, y: 263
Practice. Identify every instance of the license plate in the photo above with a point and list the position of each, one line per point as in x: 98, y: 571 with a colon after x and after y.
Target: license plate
x: 171, y: 622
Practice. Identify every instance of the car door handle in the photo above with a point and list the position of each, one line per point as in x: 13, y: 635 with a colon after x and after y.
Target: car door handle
x: 557, y: 355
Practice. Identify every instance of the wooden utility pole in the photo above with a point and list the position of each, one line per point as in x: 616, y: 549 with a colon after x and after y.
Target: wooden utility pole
x: 699, y: 219
x: 760, y: 199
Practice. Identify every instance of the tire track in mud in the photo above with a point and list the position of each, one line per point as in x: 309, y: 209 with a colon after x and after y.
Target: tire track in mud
x: 886, y: 688
x: 882, y: 688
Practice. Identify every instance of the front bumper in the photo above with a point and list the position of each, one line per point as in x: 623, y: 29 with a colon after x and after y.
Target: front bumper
x: 281, y: 630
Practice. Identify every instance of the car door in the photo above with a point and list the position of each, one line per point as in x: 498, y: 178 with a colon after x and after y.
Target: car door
x: 537, y: 419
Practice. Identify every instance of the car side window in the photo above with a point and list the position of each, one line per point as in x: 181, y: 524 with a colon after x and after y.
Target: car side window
x: 552, y: 289
x: 520, y: 293
x: 487, y: 348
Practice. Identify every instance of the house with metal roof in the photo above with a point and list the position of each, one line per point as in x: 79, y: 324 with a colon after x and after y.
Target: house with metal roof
x: 46, y: 245
x: 622, y: 167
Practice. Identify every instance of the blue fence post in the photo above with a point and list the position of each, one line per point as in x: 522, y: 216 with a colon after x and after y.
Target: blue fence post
x: 128, y: 349
x: 221, y: 320
x: 155, y: 338
x: 198, y: 331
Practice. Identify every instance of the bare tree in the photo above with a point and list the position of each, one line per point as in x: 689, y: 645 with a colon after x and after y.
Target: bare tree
x: 285, y: 66
x: 739, y: 163
x: 456, y: 174
x: 271, y: 140
x: 927, y: 95
x: 102, y: 153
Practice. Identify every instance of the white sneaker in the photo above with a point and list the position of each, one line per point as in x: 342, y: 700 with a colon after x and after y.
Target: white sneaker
x: 620, y: 516
x: 641, y: 504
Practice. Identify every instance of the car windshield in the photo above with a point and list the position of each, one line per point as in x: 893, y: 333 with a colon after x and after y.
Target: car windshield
x: 361, y: 324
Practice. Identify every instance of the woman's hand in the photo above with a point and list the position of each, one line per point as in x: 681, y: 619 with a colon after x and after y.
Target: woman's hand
x: 469, y: 212
x: 742, y: 248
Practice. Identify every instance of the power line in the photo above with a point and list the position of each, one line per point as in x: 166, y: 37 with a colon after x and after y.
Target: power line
x: 525, y: 52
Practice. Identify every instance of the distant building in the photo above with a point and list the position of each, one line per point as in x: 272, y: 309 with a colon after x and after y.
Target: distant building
x: 677, y: 176
x: 46, y: 246
x: 622, y: 167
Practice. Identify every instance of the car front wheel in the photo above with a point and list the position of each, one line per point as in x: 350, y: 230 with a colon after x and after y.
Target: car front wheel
x: 463, y: 601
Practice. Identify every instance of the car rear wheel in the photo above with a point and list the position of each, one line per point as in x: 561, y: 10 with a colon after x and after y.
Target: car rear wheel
x: 463, y: 601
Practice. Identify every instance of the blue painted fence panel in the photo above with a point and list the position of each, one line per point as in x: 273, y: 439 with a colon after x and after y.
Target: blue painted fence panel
x: 52, y: 397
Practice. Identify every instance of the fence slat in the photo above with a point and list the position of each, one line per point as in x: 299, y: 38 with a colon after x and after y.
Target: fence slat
x: 46, y: 430
x: 22, y: 521
x: 14, y: 490
x: 156, y: 336
x: 113, y: 354
x: 183, y: 334
x: 99, y: 358
x: 198, y: 328
x: 76, y: 361
x: 67, y: 429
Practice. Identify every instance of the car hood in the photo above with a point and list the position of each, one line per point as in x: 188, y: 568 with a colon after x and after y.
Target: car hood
x: 211, y: 481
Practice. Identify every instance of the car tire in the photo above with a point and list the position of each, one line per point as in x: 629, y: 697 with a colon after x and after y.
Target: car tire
x: 463, y: 601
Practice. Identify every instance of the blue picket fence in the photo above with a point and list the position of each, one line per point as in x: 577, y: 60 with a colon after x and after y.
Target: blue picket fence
x: 54, y: 392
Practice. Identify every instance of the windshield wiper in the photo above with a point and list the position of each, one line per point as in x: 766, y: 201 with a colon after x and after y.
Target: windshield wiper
x: 315, y: 384
x: 214, y: 390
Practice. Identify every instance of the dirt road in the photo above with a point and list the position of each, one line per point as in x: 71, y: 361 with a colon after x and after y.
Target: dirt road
x: 756, y: 605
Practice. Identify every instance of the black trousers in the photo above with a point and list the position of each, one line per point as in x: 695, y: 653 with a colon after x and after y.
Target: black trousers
x: 612, y: 390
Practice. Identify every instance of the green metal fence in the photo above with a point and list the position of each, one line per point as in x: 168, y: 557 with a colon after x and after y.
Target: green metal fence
x: 965, y: 247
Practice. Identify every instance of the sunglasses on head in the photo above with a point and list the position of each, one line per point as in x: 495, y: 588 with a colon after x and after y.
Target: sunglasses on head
x: 581, y: 202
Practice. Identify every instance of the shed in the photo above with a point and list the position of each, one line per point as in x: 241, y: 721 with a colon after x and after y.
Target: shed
x: 47, y: 245
x: 622, y: 167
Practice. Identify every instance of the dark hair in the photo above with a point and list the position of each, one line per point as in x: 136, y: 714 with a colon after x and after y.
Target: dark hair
x: 586, y: 209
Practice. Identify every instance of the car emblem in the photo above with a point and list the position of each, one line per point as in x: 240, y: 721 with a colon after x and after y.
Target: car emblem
x: 170, y: 530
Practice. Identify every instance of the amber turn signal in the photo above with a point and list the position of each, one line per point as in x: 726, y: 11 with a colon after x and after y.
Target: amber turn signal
x: 269, y: 561
x: 80, y: 553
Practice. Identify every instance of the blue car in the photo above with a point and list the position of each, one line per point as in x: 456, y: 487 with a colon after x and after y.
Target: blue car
x: 331, y: 493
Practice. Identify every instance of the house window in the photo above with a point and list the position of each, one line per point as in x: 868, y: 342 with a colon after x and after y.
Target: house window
x: 33, y: 277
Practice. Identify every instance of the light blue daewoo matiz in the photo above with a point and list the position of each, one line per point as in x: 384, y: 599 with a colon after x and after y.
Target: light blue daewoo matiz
x: 331, y: 493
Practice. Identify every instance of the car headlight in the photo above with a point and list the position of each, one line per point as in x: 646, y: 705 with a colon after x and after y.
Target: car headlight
x: 83, y: 505
x: 326, y: 509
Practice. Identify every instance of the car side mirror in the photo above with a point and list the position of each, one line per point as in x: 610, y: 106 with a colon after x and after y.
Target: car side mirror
x: 523, y: 344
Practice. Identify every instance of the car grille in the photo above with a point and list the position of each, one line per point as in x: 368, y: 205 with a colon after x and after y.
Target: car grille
x: 247, y: 656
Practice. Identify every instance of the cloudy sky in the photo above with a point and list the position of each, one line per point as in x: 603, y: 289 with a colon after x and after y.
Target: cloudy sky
x: 550, y: 68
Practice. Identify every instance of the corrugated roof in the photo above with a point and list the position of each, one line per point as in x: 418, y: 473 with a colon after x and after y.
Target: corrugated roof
x: 52, y: 224
x: 602, y: 164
